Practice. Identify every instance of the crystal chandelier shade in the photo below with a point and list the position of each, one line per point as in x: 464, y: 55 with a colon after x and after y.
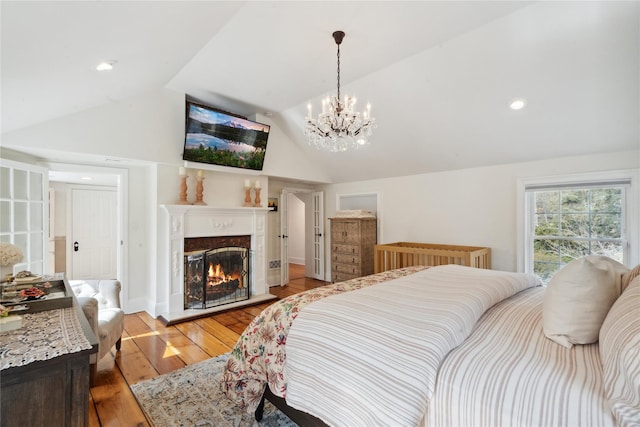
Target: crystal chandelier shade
x: 339, y: 127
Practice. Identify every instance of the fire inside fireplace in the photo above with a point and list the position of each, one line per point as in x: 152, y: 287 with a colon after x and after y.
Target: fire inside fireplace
x: 216, y: 276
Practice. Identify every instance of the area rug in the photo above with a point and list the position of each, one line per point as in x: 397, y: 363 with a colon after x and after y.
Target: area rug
x: 192, y: 396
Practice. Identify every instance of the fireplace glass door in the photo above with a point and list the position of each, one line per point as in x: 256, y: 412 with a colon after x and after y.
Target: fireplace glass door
x: 216, y: 276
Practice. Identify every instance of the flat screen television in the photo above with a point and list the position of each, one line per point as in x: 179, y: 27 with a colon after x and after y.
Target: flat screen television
x: 218, y: 138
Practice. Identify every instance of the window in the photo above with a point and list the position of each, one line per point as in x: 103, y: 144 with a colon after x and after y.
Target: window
x: 565, y: 220
x: 23, y: 209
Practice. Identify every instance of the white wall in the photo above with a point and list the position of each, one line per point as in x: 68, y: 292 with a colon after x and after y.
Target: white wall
x: 285, y: 159
x: 58, y: 260
x: 149, y: 127
x: 60, y: 212
x: 475, y: 207
x: 140, y: 247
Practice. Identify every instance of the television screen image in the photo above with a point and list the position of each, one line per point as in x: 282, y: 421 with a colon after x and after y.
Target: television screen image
x: 218, y: 138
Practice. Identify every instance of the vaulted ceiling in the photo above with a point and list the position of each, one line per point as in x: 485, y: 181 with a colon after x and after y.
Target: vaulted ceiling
x: 439, y: 74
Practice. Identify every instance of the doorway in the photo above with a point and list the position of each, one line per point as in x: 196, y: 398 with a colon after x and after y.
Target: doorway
x: 301, y: 234
x: 64, y: 176
x: 296, y: 235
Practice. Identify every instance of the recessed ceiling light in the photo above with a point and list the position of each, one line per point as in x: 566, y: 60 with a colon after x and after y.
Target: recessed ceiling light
x: 86, y: 178
x: 517, y: 104
x: 105, y: 66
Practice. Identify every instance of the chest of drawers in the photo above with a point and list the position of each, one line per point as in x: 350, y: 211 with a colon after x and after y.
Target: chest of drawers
x: 352, y: 245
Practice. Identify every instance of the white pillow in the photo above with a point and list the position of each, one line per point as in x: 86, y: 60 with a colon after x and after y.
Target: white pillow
x: 620, y: 354
x: 578, y: 298
x: 629, y: 276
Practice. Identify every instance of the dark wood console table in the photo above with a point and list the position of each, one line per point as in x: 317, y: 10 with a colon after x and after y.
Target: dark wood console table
x: 53, y: 392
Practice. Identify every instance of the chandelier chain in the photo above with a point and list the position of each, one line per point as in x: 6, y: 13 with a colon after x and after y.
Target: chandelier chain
x: 338, y: 71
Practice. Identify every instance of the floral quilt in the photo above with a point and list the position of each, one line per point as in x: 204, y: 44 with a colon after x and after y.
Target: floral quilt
x: 260, y: 355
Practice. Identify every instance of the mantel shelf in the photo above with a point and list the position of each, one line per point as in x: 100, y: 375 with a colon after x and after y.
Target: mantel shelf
x: 184, y: 208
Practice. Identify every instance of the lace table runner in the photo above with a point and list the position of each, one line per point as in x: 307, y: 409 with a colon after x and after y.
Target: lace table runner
x: 43, y: 336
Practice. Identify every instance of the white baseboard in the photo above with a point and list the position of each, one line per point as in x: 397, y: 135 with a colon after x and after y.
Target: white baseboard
x: 136, y: 305
x: 142, y: 304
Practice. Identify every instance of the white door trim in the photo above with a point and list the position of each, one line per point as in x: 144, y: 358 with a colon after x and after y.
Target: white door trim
x: 284, y: 244
x: 283, y: 230
x: 122, y: 186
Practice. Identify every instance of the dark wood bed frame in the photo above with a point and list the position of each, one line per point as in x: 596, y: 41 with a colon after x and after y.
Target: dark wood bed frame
x: 297, y: 416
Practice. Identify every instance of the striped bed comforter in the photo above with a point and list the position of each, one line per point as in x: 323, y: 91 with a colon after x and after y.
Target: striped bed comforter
x: 259, y: 356
x: 371, y: 357
x: 507, y: 373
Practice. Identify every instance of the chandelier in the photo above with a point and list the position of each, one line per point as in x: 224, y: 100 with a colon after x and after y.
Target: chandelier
x: 339, y: 127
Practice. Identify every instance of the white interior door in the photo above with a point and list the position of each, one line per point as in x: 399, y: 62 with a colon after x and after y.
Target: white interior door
x: 284, y: 246
x: 318, y: 234
x: 93, y: 233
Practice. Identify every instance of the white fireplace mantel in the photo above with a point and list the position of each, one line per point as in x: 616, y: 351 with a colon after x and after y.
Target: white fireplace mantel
x: 185, y: 221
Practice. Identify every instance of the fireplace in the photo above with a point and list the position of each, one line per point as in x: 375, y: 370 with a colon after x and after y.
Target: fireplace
x: 217, y: 275
x: 193, y: 229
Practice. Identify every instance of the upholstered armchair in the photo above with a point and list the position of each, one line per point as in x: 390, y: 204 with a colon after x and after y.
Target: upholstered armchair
x: 100, y: 301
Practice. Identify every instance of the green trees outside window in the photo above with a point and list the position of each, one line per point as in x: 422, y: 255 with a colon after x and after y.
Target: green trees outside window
x: 571, y: 223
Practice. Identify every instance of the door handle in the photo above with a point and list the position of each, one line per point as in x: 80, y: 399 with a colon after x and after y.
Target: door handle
x: 76, y: 246
x: 319, y: 234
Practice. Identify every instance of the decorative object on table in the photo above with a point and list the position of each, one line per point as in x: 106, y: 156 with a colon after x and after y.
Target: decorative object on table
x: 273, y: 204
x: 8, y: 323
x: 257, y: 189
x: 41, y: 294
x: 182, y: 172
x: 199, y: 188
x: 247, y: 193
x: 26, y: 277
x: 31, y: 294
x: 10, y: 255
x: 192, y: 396
x: 339, y: 127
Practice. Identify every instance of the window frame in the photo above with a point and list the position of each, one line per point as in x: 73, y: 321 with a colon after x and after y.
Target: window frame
x: 630, y: 229
x: 34, y: 208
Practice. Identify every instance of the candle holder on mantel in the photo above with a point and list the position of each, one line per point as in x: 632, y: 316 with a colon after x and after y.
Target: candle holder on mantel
x: 183, y: 189
x: 247, y: 196
x: 199, y: 189
x: 258, y: 202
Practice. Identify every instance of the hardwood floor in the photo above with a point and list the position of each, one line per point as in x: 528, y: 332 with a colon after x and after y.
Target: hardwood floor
x: 150, y: 349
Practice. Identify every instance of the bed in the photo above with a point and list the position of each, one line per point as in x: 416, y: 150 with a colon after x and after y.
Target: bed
x: 447, y: 345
